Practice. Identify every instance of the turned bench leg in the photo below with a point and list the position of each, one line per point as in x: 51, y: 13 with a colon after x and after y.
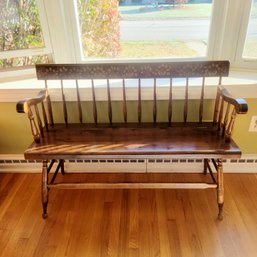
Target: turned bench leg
x: 44, y: 188
x: 220, y: 189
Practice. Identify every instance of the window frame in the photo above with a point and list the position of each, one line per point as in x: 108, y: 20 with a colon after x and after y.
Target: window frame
x: 46, y: 50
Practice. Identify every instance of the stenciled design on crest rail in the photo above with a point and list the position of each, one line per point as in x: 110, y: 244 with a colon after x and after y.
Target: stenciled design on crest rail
x: 132, y: 70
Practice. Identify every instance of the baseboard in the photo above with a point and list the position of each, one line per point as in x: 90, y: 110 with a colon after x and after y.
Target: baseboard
x: 17, y: 164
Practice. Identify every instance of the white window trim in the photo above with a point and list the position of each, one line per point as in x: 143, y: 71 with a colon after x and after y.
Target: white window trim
x: 217, y: 29
x: 60, y: 31
x: 25, y: 52
x: 44, y: 26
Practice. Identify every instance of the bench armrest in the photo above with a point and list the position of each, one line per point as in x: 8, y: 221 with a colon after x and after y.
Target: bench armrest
x: 240, y: 104
x: 224, y: 117
x: 25, y: 106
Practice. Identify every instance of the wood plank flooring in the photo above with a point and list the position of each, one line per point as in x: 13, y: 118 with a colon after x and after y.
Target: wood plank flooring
x: 131, y: 223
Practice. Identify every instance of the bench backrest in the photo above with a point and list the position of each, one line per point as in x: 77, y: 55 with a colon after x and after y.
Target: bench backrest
x: 225, y: 109
x: 139, y: 71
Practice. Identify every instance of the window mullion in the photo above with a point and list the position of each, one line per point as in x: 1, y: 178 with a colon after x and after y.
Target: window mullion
x: 60, y: 32
x: 44, y: 26
x: 235, y: 30
x: 71, y: 13
x: 231, y: 30
x: 240, y: 61
x: 216, y: 36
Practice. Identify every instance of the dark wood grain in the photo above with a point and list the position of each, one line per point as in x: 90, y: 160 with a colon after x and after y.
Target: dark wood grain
x: 221, y: 114
x: 79, y: 102
x: 229, y: 130
x: 49, y: 105
x: 154, y: 102
x: 216, y: 107
x: 39, y: 121
x: 170, y: 103
x: 186, y: 100
x: 94, y: 101
x: 125, y: 114
x: 201, y: 101
x: 44, y: 116
x: 65, y: 113
x: 109, y: 101
x: 139, y: 106
x: 78, y: 141
x: 226, y: 118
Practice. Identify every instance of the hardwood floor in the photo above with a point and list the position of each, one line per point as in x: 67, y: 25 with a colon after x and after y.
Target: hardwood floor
x: 127, y: 222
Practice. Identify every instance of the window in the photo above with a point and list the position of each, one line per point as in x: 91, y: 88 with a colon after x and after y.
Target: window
x: 117, y: 30
x: 22, y: 41
x: 250, y: 47
x: 99, y: 28
x: 144, y: 29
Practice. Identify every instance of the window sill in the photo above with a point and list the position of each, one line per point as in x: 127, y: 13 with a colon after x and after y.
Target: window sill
x: 239, y: 83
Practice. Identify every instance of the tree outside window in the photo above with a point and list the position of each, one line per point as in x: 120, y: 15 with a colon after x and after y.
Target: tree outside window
x: 20, y: 29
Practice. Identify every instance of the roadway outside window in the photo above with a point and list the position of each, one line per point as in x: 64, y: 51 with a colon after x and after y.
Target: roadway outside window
x: 250, y: 49
x: 21, y: 38
x: 144, y: 28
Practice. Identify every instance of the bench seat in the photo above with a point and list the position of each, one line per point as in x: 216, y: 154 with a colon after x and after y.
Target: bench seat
x: 79, y: 141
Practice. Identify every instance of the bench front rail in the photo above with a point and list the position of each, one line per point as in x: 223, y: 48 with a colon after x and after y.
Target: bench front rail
x: 205, y: 139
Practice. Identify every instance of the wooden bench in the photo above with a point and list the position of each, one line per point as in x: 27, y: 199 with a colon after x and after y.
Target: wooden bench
x: 55, y: 142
